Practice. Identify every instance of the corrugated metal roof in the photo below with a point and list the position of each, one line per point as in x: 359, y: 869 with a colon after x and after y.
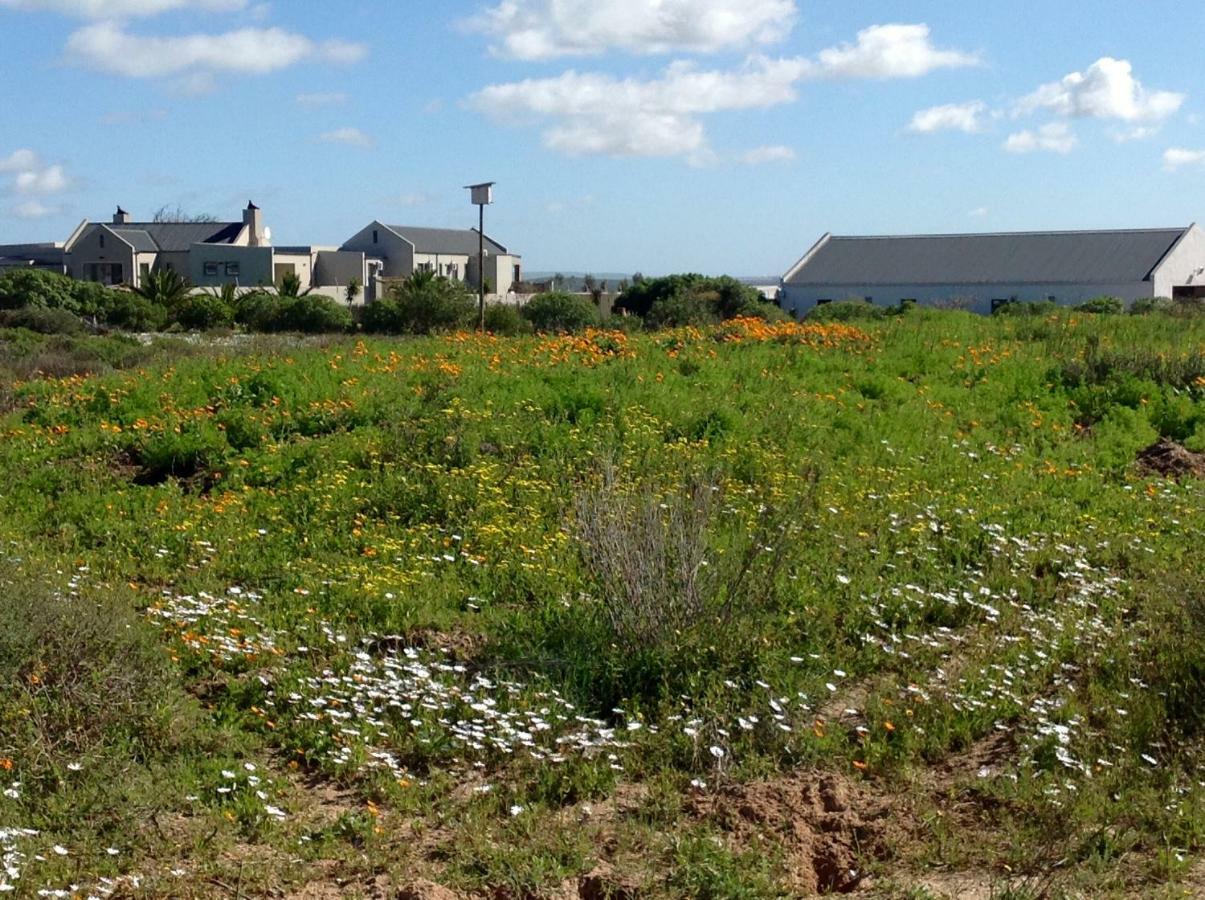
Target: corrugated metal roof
x: 178, y: 237
x: 1052, y: 257
x: 454, y: 242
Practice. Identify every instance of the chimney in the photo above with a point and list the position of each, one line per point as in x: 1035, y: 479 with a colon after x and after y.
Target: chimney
x: 121, y: 217
x: 253, y: 218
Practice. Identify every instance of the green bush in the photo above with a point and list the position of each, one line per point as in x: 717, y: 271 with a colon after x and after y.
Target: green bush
x: 80, y: 673
x: 1148, y: 305
x: 1027, y: 308
x: 681, y: 309
x: 130, y: 312
x: 314, y: 314
x: 258, y: 311
x: 1104, y: 306
x: 558, y: 311
x: 42, y: 320
x: 678, y: 300
x: 506, y: 320
x: 21, y: 288
x: 203, y: 312
x: 853, y: 310
x: 424, y: 304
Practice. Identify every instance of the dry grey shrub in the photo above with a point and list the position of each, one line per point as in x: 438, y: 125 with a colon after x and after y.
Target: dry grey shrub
x: 667, y: 562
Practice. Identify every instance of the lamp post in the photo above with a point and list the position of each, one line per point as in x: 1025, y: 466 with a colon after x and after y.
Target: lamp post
x: 481, y: 195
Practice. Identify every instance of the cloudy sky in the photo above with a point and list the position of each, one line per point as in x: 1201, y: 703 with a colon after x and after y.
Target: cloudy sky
x: 652, y: 135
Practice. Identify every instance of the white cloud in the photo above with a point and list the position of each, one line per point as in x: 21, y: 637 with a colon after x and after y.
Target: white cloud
x: 353, y: 137
x: 592, y: 113
x: 108, y: 47
x: 760, y: 156
x: 323, y: 98
x: 41, y: 180
x: 34, y: 209
x: 980, y: 212
x: 121, y: 9
x: 601, y: 114
x: 1055, y: 137
x: 1179, y: 157
x: 891, y: 51
x: 32, y: 176
x: 545, y: 29
x: 966, y: 117
x: 19, y: 160
x: 1106, y: 90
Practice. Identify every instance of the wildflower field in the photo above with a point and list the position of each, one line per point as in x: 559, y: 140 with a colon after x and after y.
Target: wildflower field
x: 757, y: 610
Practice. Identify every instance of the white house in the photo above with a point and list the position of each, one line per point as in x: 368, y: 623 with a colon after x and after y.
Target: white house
x: 982, y: 271
x: 399, y: 251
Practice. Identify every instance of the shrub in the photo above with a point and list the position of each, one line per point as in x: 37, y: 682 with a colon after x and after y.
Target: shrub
x: 1147, y: 305
x: 258, y: 311
x: 679, y: 300
x: 42, y: 320
x: 1027, y: 308
x: 423, y: 304
x: 36, y: 288
x: 203, y: 312
x: 79, y: 672
x: 852, y: 310
x: 506, y: 320
x: 1104, y: 306
x: 558, y: 311
x: 682, y: 309
x: 313, y: 314
x: 131, y: 312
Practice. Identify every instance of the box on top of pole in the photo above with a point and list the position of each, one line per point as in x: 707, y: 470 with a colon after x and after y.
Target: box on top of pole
x: 481, y: 195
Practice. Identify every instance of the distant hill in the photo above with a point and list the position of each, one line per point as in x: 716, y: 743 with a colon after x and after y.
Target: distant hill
x: 575, y: 282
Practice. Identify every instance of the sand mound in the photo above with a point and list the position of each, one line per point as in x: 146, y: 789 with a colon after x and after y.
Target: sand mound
x: 1172, y: 460
x: 827, y: 827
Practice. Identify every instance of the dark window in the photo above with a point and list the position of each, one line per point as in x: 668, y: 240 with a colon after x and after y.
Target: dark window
x: 102, y: 242
x: 145, y: 270
x: 211, y: 269
x: 232, y: 270
x: 376, y: 237
x: 518, y: 273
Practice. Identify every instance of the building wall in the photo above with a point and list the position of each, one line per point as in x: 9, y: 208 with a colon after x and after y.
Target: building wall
x: 397, y: 254
x: 302, y: 266
x: 334, y: 270
x: 254, y: 265
x: 1181, y: 266
x: 88, y: 251
x: 801, y: 299
x: 439, y: 263
x: 45, y: 256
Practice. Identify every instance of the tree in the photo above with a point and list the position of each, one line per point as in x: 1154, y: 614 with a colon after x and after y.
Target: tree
x: 169, y: 214
x: 290, y: 286
x: 353, y: 291
x: 557, y: 311
x: 424, y: 303
x: 166, y: 288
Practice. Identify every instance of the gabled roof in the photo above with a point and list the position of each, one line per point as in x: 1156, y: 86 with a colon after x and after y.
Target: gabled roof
x: 178, y: 237
x: 1045, y: 257
x: 452, y: 241
x: 139, y: 240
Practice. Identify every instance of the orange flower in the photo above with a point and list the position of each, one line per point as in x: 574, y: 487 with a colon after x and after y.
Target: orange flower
x: 6, y: 764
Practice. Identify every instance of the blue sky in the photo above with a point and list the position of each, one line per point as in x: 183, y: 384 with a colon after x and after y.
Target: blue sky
x: 651, y: 135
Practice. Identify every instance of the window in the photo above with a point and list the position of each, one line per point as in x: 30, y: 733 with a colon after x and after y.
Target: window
x: 211, y: 270
x: 144, y: 269
x: 232, y: 270
x: 425, y: 267
x: 376, y: 236
x: 102, y: 242
x: 454, y: 270
x: 518, y: 272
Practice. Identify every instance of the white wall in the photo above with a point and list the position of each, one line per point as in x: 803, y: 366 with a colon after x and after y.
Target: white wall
x: 397, y: 254
x: 1179, y: 268
x: 801, y: 299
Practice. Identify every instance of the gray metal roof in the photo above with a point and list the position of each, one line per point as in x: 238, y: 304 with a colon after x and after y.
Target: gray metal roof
x: 177, y: 237
x: 140, y: 240
x: 1051, y: 257
x: 452, y: 241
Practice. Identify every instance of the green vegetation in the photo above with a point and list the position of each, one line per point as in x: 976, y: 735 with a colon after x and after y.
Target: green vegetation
x: 559, y: 313
x: 680, y: 300
x: 750, y: 610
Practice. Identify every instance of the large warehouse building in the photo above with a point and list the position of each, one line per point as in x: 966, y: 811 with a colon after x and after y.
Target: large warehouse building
x: 980, y: 272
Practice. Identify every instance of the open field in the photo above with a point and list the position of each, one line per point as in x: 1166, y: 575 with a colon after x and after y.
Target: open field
x: 753, y: 611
